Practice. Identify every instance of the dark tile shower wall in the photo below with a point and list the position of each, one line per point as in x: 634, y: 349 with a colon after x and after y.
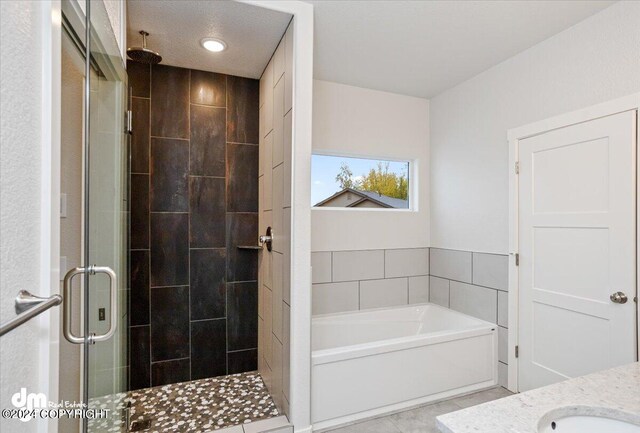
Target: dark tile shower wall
x: 194, y: 199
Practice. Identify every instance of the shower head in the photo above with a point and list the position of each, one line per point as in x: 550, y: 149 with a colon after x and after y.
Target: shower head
x: 143, y: 54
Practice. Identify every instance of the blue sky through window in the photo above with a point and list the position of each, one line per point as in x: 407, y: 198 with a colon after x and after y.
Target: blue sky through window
x: 324, y: 169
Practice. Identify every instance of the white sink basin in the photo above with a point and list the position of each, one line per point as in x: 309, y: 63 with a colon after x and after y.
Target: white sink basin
x: 589, y: 420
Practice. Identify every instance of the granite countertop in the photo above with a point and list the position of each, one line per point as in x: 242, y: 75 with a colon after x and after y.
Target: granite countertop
x: 615, y: 392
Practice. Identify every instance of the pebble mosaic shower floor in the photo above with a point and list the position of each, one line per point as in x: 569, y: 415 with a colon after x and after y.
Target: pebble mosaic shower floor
x: 199, y: 406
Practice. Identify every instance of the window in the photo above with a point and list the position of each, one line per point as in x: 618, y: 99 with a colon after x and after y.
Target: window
x: 344, y: 182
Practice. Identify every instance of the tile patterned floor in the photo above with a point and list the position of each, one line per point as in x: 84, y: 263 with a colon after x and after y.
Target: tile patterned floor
x: 423, y: 418
x: 198, y: 406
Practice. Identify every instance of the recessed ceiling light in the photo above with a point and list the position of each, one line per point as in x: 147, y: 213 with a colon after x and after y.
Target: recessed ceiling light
x: 213, y: 45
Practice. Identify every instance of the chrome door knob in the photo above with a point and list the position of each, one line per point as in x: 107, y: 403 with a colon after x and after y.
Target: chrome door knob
x: 267, y: 240
x: 618, y: 298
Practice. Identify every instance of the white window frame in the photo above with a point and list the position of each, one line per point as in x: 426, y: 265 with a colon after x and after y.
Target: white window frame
x: 412, y: 173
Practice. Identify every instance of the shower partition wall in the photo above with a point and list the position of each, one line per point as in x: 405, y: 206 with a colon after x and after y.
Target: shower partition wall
x: 275, y: 182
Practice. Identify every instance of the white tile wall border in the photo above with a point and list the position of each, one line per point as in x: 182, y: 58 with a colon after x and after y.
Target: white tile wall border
x: 418, y: 289
x: 335, y: 297
x: 439, y: 291
x: 357, y: 265
x: 476, y: 301
x: 451, y: 264
x: 406, y: 262
x: 360, y: 279
x: 321, y: 265
x: 384, y: 293
x: 473, y: 283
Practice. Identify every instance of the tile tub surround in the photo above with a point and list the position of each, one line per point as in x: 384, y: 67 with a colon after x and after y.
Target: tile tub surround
x: 354, y: 280
x: 194, y: 198
x: 471, y: 282
x: 475, y: 284
x: 199, y: 406
x: 599, y: 393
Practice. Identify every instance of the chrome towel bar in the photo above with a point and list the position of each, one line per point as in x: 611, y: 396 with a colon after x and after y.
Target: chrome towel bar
x: 29, y: 306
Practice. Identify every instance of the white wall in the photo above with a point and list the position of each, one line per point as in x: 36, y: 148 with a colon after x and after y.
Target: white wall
x: 116, y: 12
x: 29, y: 197
x: 354, y: 121
x: 21, y: 68
x: 591, y: 62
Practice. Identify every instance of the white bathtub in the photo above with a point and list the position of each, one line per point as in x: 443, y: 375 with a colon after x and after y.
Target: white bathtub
x: 367, y: 363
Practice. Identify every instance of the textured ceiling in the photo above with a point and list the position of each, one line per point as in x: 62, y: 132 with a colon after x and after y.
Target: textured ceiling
x: 177, y: 26
x: 422, y: 48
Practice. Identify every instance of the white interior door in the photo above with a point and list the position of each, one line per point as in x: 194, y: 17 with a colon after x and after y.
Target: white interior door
x: 577, y: 238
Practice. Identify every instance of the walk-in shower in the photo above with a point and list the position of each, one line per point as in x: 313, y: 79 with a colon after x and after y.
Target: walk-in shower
x: 164, y: 175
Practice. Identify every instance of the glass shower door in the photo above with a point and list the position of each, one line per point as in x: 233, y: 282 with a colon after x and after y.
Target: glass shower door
x: 103, y: 272
x: 106, y: 207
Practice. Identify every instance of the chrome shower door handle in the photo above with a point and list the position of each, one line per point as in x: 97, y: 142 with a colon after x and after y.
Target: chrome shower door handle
x: 66, y: 306
x: 113, y: 288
